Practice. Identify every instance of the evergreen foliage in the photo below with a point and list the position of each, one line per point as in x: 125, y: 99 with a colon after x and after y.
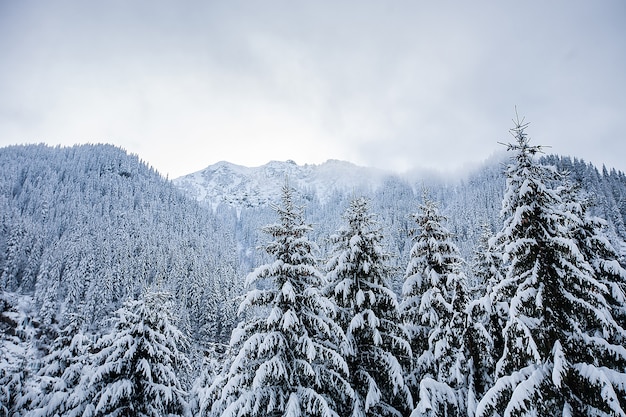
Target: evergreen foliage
x: 84, y: 228
x: 60, y: 372
x: 591, y: 237
x: 287, y: 361
x: 558, y: 357
x: 377, y: 350
x: 16, y: 355
x: 434, y: 313
x: 486, y: 318
x: 133, y: 369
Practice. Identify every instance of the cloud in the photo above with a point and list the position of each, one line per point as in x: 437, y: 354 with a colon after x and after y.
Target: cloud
x: 393, y: 85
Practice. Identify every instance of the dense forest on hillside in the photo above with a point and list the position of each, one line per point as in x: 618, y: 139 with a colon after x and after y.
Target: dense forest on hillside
x: 501, y: 293
x: 86, y: 228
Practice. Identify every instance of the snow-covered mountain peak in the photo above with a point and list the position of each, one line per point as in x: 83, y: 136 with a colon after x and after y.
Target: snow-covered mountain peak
x: 239, y: 186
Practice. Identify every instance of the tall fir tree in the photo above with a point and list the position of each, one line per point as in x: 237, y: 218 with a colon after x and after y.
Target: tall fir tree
x: 377, y: 349
x: 133, y: 369
x: 434, y: 313
x: 557, y: 359
x: 287, y: 361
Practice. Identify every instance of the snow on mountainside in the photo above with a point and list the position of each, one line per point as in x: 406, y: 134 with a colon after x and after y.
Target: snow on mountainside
x: 241, y: 186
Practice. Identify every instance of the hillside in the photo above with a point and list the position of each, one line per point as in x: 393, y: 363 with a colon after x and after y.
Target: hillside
x: 85, y: 228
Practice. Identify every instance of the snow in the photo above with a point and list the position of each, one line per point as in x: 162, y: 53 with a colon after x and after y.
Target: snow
x: 242, y: 187
x: 373, y: 394
x: 559, y: 370
x: 432, y: 394
x: 289, y: 320
x: 607, y: 380
x: 503, y: 384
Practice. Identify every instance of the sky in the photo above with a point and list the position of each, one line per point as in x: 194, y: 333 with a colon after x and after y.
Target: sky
x: 397, y: 85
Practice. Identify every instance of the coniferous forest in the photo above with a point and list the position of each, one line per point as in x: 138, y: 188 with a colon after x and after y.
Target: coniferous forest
x: 501, y: 293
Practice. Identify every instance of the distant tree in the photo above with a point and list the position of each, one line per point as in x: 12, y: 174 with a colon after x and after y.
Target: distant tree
x: 484, y: 266
x: 19, y: 245
x: 377, y: 351
x: 207, y: 387
x: 434, y: 313
x: 287, y: 361
x: 557, y: 359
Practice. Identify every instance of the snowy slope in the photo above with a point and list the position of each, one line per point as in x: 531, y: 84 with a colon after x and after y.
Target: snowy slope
x: 243, y: 187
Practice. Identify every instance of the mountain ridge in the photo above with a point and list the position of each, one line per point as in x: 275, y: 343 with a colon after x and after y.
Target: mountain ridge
x: 246, y: 187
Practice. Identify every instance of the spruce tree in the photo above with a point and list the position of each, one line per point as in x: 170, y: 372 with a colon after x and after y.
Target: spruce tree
x: 16, y: 343
x: 591, y: 237
x: 287, y: 361
x: 558, y: 358
x: 484, y: 267
x: 133, y: 369
x: 485, y: 318
x: 61, y: 371
x: 377, y: 349
x: 434, y: 313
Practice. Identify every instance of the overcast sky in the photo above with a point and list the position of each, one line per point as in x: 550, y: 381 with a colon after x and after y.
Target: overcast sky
x: 390, y: 84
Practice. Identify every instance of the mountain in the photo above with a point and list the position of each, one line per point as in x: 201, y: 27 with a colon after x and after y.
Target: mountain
x: 469, y: 201
x: 244, y: 187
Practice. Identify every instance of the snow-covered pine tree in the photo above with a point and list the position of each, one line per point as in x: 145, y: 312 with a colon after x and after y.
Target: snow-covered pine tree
x: 484, y: 267
x: 13, y: 387
x: 60, y: 372
x: 483, y: 335
x: 433, y: 312
x: 16, y: 351
x: 590, y: 236
x: 133, y: 368
x: 207, y: 388
x: 377, y: 349
x: 557, y: 359
x: 287, y: 361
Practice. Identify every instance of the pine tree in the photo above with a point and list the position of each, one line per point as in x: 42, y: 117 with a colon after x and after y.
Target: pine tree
x: 485, y: 266
x: 61, y: 371
x: 287, y: 360
x: 557, y: 359
x: 591, y: 237
x: 433, y: 312
x: 15, y: 354
x: 133, y: 368
x: 377, y: 349
x: 207, y: 387
x: 485, y: 319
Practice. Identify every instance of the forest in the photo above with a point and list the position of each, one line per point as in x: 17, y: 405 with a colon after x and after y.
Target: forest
x: 499, y: 294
